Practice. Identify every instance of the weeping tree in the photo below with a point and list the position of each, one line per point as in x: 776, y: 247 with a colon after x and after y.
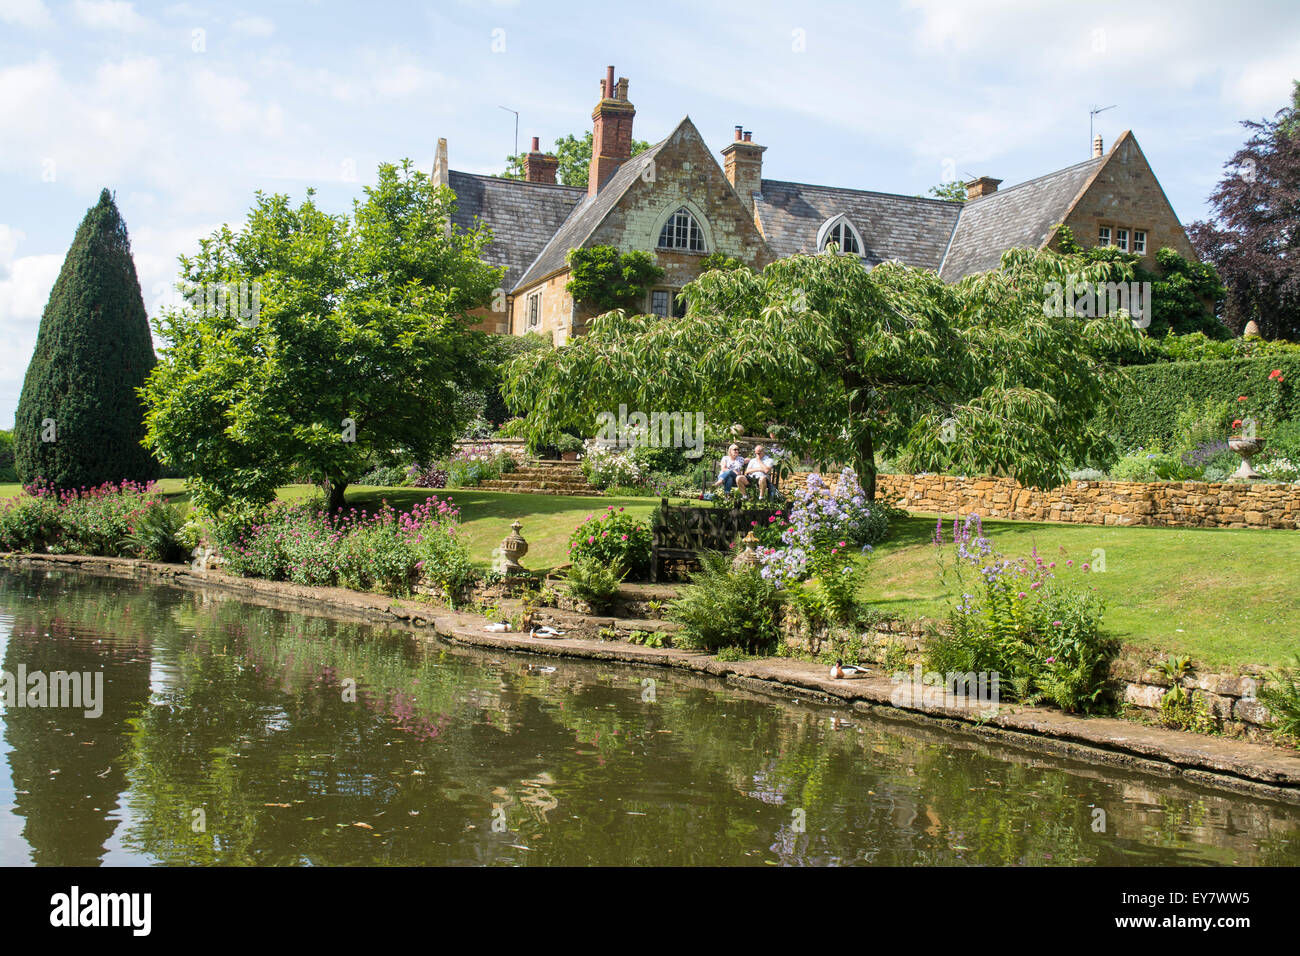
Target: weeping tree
x: 995, y: 374
x: 80, y: 420
x: 315, y: 343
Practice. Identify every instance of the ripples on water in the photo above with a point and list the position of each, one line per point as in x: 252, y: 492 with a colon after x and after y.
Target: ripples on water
x: 239, y: 734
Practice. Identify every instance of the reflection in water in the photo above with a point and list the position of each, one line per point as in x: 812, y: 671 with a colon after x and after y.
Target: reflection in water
x: 239, y: 734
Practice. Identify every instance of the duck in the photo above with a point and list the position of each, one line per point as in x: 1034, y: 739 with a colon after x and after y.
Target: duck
x: 839, y: 671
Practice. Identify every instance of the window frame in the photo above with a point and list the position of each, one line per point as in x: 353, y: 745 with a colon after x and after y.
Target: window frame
x: 668, y: 302
x: 1143, y: 234
x: 1121, y: 238
x: 1104, y: 234
x: 842, y: 224
x: 693, y: 233
x: 533, y: 310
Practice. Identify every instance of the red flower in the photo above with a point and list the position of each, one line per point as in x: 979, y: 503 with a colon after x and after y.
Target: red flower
x: 1241, y: 398
x: 1236, y: 423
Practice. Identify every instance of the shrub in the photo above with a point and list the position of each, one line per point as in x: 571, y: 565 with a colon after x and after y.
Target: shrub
x: 725, y: 607
x: 1281, y: 695
x: 427, y: 476
x: 29, y: 522
x: 512, y: 428
x: 1040, y: 633
x: 387, y: 550
x: 384, y: 476
x: 613, y: 537
x: 605, y: 468
x: 822, y: 519
x: 1143, y: 465
x: 155, y: 534
x: 594, y: 581
x: 86, y: 521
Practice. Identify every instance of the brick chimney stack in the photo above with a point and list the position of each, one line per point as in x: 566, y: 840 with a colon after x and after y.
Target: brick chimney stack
x: 742, y: 162
x: 540, y: 167
x: 1096, y: 146
x: 984, y: 186
x: 611, y: 125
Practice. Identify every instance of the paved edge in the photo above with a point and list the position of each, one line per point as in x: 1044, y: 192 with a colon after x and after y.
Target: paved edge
x: 1243, y: 766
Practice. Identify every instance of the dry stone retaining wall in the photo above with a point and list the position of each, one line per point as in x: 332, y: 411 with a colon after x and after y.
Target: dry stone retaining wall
x: 1192, y: 504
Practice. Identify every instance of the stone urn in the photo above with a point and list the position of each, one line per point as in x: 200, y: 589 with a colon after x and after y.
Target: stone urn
x: 747, y: 558
x: 513, y: 548
x: 1247, y: 448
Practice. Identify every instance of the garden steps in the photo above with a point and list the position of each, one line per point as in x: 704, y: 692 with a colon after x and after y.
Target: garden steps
x: 546, y: 478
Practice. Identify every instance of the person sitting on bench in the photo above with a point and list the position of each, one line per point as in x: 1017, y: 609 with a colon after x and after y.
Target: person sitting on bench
x: 759, y: 469
x: 731, y: 469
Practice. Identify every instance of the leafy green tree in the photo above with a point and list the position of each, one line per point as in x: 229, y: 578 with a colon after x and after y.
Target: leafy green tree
x: 603, y: 277
x: 574, y: 157
x: 358, y: 344
x: 80, y: 420
x: 953, y: 191
x: 857, y: 362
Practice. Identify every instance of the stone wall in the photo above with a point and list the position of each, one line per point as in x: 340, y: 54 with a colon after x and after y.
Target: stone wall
x: 1191, y: 504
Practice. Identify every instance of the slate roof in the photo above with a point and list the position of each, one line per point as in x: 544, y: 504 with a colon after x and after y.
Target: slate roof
x: 535, y: 225
x: 584, y: 219
x: 1022, y: 215
x: 908, y: 228
x: 523, y: 216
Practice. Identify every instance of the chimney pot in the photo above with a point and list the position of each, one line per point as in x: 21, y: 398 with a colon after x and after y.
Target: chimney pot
x: 536, y: 146
x: 609, y: 82
x: 738, y: 135
x: 748, y: 136
x: 1096, y: 145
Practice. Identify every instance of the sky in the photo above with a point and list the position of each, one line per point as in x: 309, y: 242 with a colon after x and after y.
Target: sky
x: 186, y: 110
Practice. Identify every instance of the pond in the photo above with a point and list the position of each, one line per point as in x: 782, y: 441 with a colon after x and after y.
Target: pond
x: 235, y: 733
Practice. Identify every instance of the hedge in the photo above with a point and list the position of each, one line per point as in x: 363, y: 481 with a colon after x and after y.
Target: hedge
x: 1159, y: 392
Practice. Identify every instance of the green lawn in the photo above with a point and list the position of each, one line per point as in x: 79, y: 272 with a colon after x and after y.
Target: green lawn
x: 1222, y: 596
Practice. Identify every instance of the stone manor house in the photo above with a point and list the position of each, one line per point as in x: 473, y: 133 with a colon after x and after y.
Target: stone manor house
x: 675, y: 202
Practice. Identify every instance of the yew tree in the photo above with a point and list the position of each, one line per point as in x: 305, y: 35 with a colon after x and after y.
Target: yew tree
x: 315, y: 343
x: 857, y: 362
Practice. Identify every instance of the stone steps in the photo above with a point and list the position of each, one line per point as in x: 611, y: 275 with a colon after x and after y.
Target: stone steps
x: 549, y: 478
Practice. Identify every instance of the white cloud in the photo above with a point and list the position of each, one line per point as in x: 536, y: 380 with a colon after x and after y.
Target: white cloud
x: 108, y: 15
x: 32, y: 14
x: 259, y: 27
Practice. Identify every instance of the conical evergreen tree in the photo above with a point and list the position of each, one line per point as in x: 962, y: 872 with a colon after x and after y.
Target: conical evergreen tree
x: 80, y: 420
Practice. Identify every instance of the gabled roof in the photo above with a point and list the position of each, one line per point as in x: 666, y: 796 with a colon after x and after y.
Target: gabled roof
x: 911, y: 229
x: 1022, y: 215
x: 589, y: 214
x: 523, y: 216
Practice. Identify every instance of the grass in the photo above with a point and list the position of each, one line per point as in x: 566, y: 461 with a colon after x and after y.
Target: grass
x: 1225, y: 597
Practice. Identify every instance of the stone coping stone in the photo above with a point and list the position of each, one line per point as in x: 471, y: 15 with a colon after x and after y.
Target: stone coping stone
x: 1244, y: 766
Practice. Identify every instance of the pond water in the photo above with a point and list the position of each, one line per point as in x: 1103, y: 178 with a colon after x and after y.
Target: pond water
x: 234, y: 733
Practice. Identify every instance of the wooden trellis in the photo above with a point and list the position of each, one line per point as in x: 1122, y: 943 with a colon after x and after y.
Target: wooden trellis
x: 682, y: 532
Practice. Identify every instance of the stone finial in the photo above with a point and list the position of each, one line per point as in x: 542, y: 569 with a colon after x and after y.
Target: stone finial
x: 1250, y: 329
x: 747, y: 558
x: 514, y: 547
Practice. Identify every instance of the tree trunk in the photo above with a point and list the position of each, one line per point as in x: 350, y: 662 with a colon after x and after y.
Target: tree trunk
x: 334, y: 489
x: 861, y: 437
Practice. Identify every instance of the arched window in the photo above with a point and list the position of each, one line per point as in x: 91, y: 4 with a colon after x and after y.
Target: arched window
x: 681, y: 231
x: 841, y: 232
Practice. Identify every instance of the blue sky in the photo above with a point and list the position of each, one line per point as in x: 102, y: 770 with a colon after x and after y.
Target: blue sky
x: 186, y: 109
